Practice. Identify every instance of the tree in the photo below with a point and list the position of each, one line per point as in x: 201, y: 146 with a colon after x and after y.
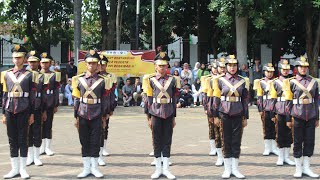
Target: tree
x: 77, y: 26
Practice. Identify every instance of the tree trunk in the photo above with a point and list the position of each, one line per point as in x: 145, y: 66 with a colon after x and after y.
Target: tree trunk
x: 203, y: 31
x: 29, y: 30
x: 241, y: 35
x: 104, y: 23
x: 118, y: 24
x: 112, y: 24
x: 77, y: 28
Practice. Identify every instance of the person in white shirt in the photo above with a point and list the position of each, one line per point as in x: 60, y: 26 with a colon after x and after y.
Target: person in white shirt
x: 186, y: 73
x: 196, y: 92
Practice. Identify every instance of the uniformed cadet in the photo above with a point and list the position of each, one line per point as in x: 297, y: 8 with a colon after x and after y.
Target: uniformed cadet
x: 230, y: 112
x: 18, y: 110
x: 91, y: 109
x: 265, y: 107
x: 112, y: 100
x: 160, y: 107
x: 284, y: 135
x: 301, y: 93
x: 35, y: 128
x: 205, y: 98
x: 221, y: 72
x: 50, y: 93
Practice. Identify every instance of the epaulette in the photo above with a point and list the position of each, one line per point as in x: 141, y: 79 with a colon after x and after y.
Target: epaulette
x: 58, y: 76
x: 219, y: 76
x: 75, y: 80
x: 256, y: 84
x: 247, y: 80
x: 35, y: 76
x: 178, y: 81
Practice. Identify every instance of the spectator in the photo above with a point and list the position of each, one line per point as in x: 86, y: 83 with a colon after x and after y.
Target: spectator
x: 202, y: 71
x: 176, y: 73
x: 257, y: 69
x: 195, y: 70
x: 186, y: 73
x: 176, y: 67
x: 185, y: 99
x: 127, y: 92
x: 137, y: 91
x: 52, y: 67
x: 57, y: 67
x: 244, y: 71
x: 68, y: 92
x: 71, y: 69
x: 185, y: 82
x: 196, y: 92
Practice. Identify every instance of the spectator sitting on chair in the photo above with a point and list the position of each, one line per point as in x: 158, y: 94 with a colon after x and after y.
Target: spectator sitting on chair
x: 137, y: 91
x: 196, y: 92
x: 186, y: 83
x: 68, y: 92
x: 127, y: 92
x: 185, y: 99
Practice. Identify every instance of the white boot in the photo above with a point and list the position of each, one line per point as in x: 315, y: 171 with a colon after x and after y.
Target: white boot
x: 213, y: 150
x: 105, y: 152
x: 227, y: 168
x: 86, y: 168
x: 267, y: 147
x: 151, y: 154
x: 42, y: 147
x: 158, y: 171
x: 219, y: 161
x: 100, y: 160
x: 274, y: 148
x: 165, y: 169
x: 48, y: 150
x: 154, y: 162
x: 30, y: 156
x: 36, y: 157
x: 235, y: 170
x: 23, y: 171
x: 298, y: 173
x: 94, y: 168
x: 306, y: 168
x: 280, y: 157
x: 286, y: 157
x: 15, y: 168
x: 170, y: 164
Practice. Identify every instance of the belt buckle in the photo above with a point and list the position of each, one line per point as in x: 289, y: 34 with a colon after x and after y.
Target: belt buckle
x: 232, y: 99
x: 305, y: 101
x: 163, y: 101
x: 16, y: 94
x: 90, y: 101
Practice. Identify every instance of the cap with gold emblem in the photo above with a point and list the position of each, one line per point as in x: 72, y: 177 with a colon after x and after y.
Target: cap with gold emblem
x: 302, y: 61
x: 231, y: 59
x: 284, y: 64
x: 214, y: 65
x: 221, y: 62
x: 18, y: 51
x: 268, y: 67
x: 45, y: 57
x: 103, y: 59
x: 161, y: 59
x: 33, y: 56
x: 92, y: 56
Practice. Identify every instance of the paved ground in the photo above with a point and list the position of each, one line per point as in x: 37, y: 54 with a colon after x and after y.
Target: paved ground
x: 130, y: 144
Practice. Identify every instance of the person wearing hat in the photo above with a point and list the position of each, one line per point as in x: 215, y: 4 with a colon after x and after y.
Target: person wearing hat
x: 50, y: 91
x: 265, y: 107
x: 205, y: 99
x: 18, y: 110
x: 112, y: 99
x: 35, y: 128
x: 160, y: 107
x: 284, y: 134
x: 91, y: 109
x: 301, y: 94
x: 221, y: 72
x: 230, y: 112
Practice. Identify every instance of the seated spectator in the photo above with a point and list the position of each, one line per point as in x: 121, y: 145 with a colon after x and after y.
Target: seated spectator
x: 186, y: 83
x: 127, y: 92
x: 57, y: 66
x: 52, y: 66
x: 176, y: 66
x: 185, y: 99
x: 186, y: 73
x: 244, y: 71
x: 196, y: 92
x: 176, y: 73
x: 202, y: 71
x: 137, y: 91
x: 68, y: 92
